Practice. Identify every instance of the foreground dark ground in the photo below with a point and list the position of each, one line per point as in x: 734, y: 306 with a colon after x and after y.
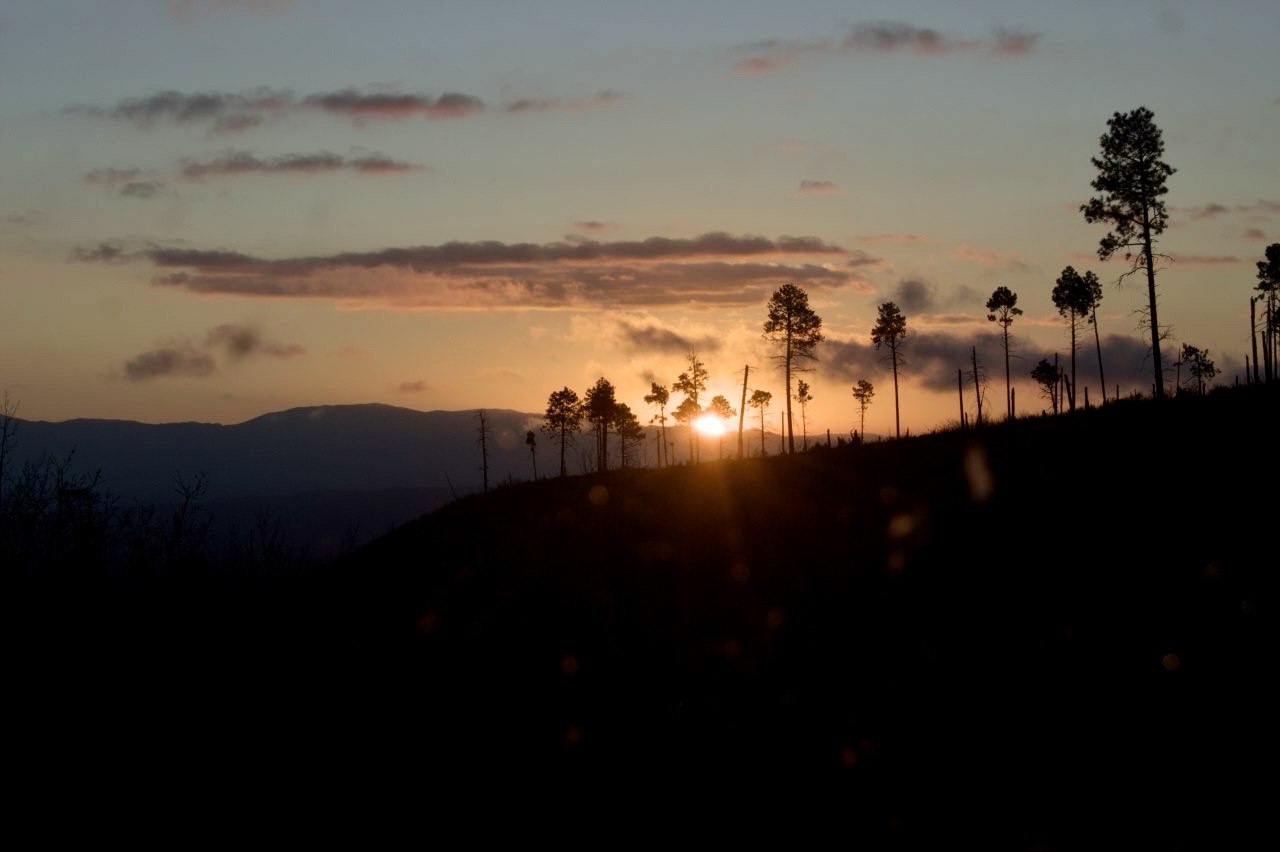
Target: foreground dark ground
x: 1060, y: 618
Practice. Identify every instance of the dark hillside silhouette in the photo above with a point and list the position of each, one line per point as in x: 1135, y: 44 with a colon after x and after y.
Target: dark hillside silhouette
x: 823, y: 616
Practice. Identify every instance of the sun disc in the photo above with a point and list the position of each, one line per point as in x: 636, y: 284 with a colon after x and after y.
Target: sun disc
x: 709, y: 425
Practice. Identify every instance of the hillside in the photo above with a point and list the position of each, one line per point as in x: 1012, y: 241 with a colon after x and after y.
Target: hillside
x: 1076, y: 602
x: 323, y: 448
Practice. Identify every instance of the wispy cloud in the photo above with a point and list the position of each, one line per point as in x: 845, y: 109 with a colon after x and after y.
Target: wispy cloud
x: 1206, y: 211
x: 595, y: 226
x: 818, y: 187
x: 416, y: 386
x: 126, y: 182
x: 1203, y: 259
x: 184, y: 358
x: 652, y: 337
x: 712, y: 269
x: 603, y: 98
x: 1005, y: 262
x: 235, y: 112
x: 235, y: 163
x: 356, y: 104
x: 177, y: 360
x: 891, y: 238
x: 242, y: 341
x: 1254, y: 234
x: 882, y: 37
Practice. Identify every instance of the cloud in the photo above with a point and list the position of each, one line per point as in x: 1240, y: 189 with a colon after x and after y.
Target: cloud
x: 178, y: 360
x: 240, y: 341
x: 109, y: 252
x: 712, y: 269
x: 603, y: 98
x: 183, y: 358
x: 819, y: 187
x: 918, y: 297
x: 1009, y: 262
x: 651, y: 337
x: 177, y: 108
x: 1262, y: 205
x: 1207, y: 211
x: 111, y: 177
x: 142, y: 189
x: 594, y: 225
x: 364, y: 105
x: 1254, y: 234
x: 914, y: 296
x: 417, y: 386
x: 236, y: 112
x: 1203, y: 260
x: 890, y: 238
x: 930, y: 358
x: 234, y: 163
x: 882, y: 37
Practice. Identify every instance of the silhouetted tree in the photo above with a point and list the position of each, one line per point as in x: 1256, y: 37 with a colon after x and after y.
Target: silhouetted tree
x: 720, y: 408
x: 564, y: 418
x: 1075, y: 297
x: 1269, y: 287
x: 685, y: 413
x: 598, y: 405
x: 630, y: 432
x: 889, y: 330
x: 796, y: 330
x: 1003, y: 308
x: 1198, y: 365
x: 692, y: 383
x: 863, y: 391
x: 760, y: 402
x: 1131, y: 179
x: 803, y: 398
x: 1048, y: 377
x: 531, y: 441
x: 659, y: 396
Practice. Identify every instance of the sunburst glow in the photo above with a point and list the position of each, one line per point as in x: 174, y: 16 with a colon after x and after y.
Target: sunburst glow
x: 709, y: 425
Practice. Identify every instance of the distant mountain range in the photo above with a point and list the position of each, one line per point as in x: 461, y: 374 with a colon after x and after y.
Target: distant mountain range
x: 323, y: 448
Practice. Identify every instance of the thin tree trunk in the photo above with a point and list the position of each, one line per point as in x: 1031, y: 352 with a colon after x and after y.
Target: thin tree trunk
x: 742, y: 409
x: 960, y: 393
x: 897, y: 422
x: 791, y: 435
x: 1071, y: 398
x: 1151, y: 297
x: 1009, y: 399
x: 1097, y: 339
x: 1253, y: 336
x: 977, y: 386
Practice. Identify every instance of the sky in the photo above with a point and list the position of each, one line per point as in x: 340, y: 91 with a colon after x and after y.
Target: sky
x: 213, y: 209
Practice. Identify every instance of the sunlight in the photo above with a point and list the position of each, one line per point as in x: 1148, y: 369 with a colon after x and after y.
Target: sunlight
x: 709, y: 425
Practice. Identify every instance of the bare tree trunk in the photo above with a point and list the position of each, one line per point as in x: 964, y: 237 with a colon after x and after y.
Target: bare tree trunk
x: 1097, y: 339
x: 977, y: 386
x: 960, y: 393
x: 1156, y: 364
x: 1071, y: 391
x: 791, y: 435
x: 897, y: 422
x: 742, y: 409
x: 1008, y: 397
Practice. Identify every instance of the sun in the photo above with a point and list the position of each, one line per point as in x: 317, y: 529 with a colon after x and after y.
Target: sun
x: 709, y: 425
